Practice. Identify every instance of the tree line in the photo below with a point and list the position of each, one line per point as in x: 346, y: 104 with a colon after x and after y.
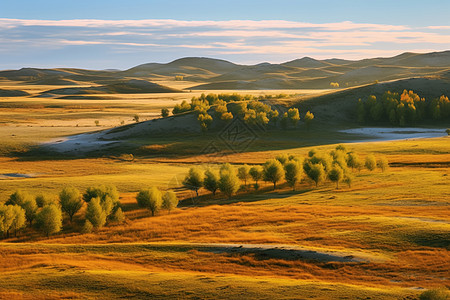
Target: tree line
x: 403, y: 109
x: 245, y: 107
x: 46, y: 214
x: 337, y: 166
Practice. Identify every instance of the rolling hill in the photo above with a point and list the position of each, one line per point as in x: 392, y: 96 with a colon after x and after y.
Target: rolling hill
x: 208, y: 73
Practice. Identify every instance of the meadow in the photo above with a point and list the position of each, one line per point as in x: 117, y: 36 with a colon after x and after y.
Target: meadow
x: 385, y: 237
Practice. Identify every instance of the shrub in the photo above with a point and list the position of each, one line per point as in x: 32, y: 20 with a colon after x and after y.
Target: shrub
x: 87, y: 227
x: 164, y: 112
x: 118, y: 216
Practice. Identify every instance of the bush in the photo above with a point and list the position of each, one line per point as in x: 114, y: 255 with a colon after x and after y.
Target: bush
x: 383, y: 163
x: 87, y: 227
x: 118, y: 216
x: 164, y: 112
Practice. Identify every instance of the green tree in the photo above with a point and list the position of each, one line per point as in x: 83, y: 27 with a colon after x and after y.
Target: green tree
x: 336, y: 174
x: 169, y: 200
x: 6, y: 218
x: 19, y: 219
x: 370, y: 162
x: 101, y: 191
x: 193, y: 180
x: 19, y: 197
x: 293, y: 173
x: 273, y: 171
x: 211, y: 181
x: 353, y: 161
x: 30, y: 208
x: 164, y: 112
x: 348, y: 179
x: 383, y: 163
x: 95, y: 213
x: 309, y: 116
x: 243, y: 173
x: 43, y: 200
x: 151, y: 199
x: 117, y: 216
x: 228, y: 182
x: 294, y: 116
x: 257, y: 173
x: 316, y: 172
x: 49, y: 219
x: 70, y: 200
x: 282, y: 158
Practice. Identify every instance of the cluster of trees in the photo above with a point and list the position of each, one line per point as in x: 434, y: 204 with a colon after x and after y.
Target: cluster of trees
x: 246, y: 107
x: 154, y: 200
x: 46, y: 213
x: 335, y: 166
x: 402, y: 109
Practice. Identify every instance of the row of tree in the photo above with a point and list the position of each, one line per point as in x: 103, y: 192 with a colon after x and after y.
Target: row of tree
x: 46, y: 214
x: 247, y: 107
x: 402, y: 109
x: 317, y: 167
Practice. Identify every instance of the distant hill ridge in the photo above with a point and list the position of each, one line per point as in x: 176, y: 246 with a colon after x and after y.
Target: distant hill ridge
x: 211, y: 73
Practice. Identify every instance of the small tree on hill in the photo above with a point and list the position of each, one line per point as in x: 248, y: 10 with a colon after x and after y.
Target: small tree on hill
x: 316, y: 172
x: 348, y: 179
x: 282, y: 158
x: 49, y: 219
x: 228, y: 182
x: 336, y: 174
x: 257, y: 174
x: 383, y: 163
x: 70, y: 199
x: 169, y: 201
x: 370, y: 162
x: 309, y: 116
x: 211, y: 181
x: 293, y: 173
x: 273, y: 171
x: 43, y: 200
x: 95, y: 213
x: 193, y: 180
x: 164, y: 112
x: 294, y: 116
x: 243, y: 173
x: 353, y: 161
x: 150, y: 199
x: 19, y: 218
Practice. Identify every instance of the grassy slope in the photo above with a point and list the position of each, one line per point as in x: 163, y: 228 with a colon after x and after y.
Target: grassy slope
x: 400, y: 218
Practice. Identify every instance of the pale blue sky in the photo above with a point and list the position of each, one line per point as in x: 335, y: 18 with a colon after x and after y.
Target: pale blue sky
x: 223, y: 29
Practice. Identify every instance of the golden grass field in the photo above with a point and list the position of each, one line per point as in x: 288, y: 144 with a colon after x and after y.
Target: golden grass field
x: 392, y: 229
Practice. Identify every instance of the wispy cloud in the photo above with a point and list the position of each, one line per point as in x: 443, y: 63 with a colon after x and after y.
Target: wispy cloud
x: 241, y: 40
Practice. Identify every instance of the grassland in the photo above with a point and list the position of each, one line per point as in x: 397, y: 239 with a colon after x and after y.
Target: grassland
x: 391, y: 230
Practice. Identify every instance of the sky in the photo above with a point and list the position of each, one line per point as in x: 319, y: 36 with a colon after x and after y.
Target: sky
x: 118, y: 34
